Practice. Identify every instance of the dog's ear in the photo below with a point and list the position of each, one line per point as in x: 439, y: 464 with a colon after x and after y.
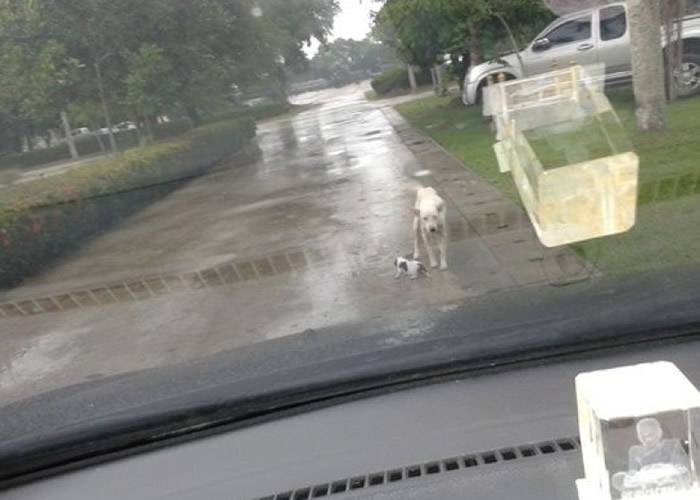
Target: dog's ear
x: 404, y: 266
x: 396, y: 261
x: 416, y: 212
x: 440, y: 207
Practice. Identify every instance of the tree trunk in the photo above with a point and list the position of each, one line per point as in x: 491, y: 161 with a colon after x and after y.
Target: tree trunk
x: 513, y: 42
x: 412, y: 77
x: 30, y: 137
x: 105, y: 108
x: 647, y: 64
x: 439, y: 80
x: 69, y: 136
x: 100, y: 142
x: 282, y: 85
x: 149, y: 130
x: 672, y: 12
x: 16, y: 139
x: 139, y: 133
x: 193, y: 114
x: 474, y: 44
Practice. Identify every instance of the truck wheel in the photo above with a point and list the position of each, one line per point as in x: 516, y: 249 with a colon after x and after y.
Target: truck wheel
x: 687, y: 79
x: 479, y: 91
x: 483, y: 83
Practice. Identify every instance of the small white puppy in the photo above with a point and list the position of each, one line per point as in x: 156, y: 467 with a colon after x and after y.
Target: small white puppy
x: 429, y: 223
x: 413, y: 268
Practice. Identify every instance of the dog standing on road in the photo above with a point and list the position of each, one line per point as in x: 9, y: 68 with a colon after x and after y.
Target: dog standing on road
x: 429, y: 223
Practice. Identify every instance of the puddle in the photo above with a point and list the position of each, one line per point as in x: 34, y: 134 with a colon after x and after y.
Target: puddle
x: 423, y: 173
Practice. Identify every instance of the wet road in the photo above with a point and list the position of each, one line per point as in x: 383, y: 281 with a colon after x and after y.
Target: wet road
x: 300, y: 240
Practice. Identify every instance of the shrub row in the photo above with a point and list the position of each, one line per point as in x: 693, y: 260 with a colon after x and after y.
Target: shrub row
x: 257, y: 112
x: 43, y: 219
x: 87, y: 145
x: 397, y: 79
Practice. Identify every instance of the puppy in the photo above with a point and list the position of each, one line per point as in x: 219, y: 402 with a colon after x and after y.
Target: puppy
x: 408, y: 266
x: 429, y: 224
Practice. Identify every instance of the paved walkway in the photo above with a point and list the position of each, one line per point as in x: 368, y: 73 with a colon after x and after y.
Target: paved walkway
x: 301, y: 240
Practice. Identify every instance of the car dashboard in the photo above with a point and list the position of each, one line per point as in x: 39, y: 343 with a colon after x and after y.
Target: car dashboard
x: 494, y: 436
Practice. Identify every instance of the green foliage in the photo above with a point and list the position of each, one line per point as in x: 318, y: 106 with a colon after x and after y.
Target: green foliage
x: 171, y: 129
x: 417, y: 29
x: 397, y: 79
x: 344, y: 61
x: 43, y: 219
x: 89, y: 145
x: 421, y: 31
x: 150, y: 88
x: 256, y: 112
x: 293, y: 23
x: 85, y: 145
x: 139, y: 59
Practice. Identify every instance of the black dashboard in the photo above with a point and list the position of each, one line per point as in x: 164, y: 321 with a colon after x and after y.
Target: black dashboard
x: 510, y: 434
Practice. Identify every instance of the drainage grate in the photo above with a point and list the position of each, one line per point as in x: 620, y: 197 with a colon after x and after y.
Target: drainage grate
x: 434, y: 467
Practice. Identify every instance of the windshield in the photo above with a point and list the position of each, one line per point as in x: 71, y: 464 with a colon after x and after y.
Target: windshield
x: 245, y: 188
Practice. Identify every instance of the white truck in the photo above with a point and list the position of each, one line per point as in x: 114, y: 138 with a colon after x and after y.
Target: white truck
x: 596, y: 35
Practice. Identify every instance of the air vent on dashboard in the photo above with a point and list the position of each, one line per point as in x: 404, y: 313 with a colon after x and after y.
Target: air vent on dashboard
x: 482, y: 459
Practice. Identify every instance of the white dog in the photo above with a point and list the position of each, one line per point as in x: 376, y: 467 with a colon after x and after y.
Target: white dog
x: 429, y: 221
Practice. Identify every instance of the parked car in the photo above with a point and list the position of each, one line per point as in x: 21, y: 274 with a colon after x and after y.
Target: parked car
x: 80, y: 131
x: 121, y: 127
x: 597, y: 35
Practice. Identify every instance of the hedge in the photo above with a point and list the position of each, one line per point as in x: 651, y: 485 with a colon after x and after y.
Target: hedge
x: 397, y: 79
x: 87, y: 145
x: 43, y: 219
x: 171, y: 129
x: 257, y: 112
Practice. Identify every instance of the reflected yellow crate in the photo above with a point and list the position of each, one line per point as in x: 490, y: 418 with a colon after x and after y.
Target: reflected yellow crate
x: 570, y: 159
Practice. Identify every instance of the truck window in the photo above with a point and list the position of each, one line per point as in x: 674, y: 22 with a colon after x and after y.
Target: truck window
x: 571, y: 31
x: 613, y: 22
x: 693, y: 6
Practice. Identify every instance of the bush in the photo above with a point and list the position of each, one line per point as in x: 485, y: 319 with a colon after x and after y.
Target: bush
x: 85, y: 145
x: 171, y: 129
x: 258, y: 112
x: 397, y: 79
x: 43, y: 219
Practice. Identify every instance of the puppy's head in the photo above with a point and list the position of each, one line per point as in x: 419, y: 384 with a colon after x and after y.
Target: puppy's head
x: 429, y: 214
x: 401, y: 263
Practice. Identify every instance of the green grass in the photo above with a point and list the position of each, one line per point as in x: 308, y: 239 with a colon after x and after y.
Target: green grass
x: 668, y: 214
x: 371, y: 95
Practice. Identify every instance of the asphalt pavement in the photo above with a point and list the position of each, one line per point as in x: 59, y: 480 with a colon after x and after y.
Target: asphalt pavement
x: 299, y: 241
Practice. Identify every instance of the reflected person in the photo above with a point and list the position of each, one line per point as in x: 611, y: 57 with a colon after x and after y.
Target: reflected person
x: 655, y: 463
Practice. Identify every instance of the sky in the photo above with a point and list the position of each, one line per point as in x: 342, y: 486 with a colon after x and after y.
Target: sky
x: 353, y: 21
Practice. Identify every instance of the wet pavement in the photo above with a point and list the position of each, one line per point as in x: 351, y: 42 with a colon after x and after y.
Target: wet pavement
x: 301, y: 240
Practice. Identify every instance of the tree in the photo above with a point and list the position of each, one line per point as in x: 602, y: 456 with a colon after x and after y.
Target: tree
x: 150, y: 87
x: 421, y: 30
x: 142, y: 57
x: 36, y: 75
x: 289, y: 26
x: 344, y: 61
x: 672, y: 12
x: 416, y: 29
x: 94, y: 32
x: 647, y: 64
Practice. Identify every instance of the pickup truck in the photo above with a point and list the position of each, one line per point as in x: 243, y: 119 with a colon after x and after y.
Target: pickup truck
x: 597, y: 35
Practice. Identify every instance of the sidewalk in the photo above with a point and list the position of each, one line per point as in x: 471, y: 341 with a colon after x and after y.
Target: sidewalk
x: 501, y: 225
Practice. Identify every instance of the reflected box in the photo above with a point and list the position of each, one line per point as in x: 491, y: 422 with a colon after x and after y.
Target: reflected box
x: 571, y: 161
